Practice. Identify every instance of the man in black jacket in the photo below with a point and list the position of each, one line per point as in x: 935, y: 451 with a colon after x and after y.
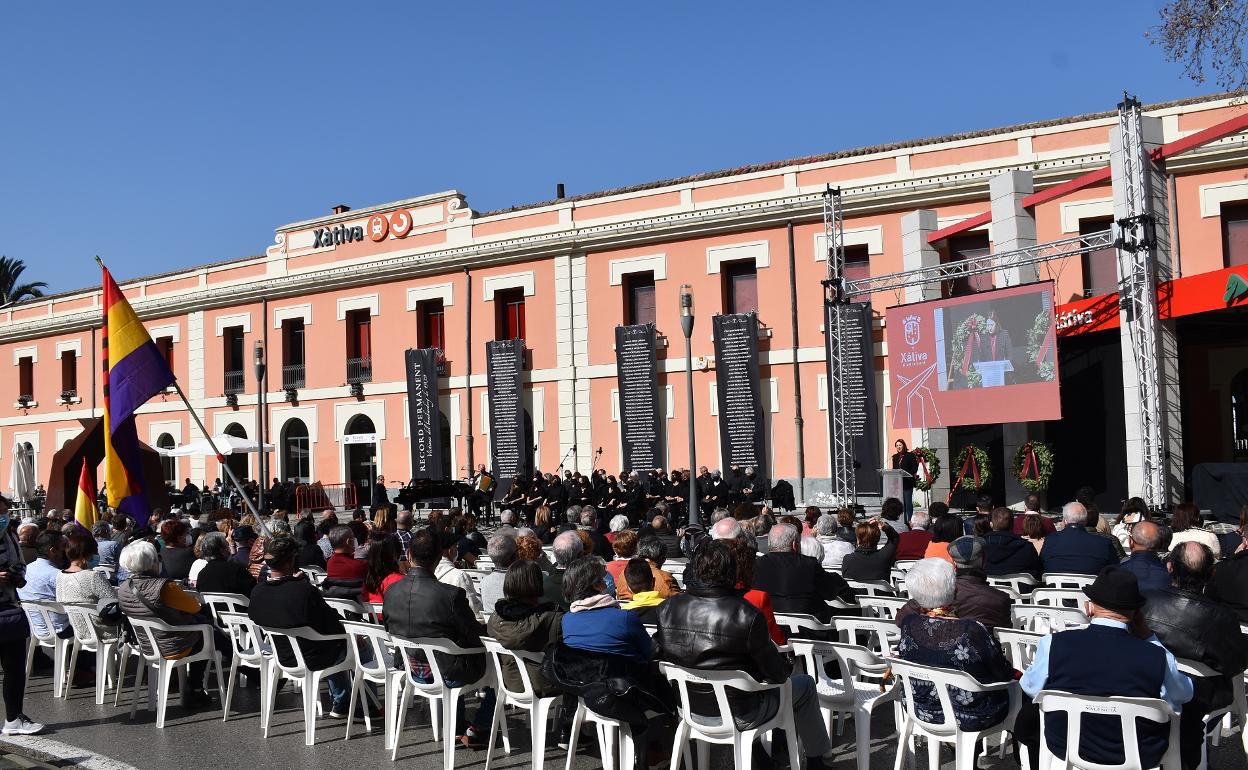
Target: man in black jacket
x: 1194, y: 627
x: 1230, y: 584
x: 711, y: 627
x: 1006, y: 552
x: 419, y: 606
x: 286, y: 599
x: 796, y: 583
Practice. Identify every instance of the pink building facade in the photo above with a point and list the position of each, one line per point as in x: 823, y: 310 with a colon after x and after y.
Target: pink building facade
x: 336, y: 300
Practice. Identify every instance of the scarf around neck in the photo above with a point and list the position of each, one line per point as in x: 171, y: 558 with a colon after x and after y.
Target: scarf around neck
x: 595, y: 602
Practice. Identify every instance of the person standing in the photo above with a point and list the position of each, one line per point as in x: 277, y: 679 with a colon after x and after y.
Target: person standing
x: 14, y: 631
x: 905, y: 460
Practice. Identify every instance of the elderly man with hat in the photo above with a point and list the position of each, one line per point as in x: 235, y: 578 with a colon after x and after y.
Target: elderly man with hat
x: 448, y: 573
x: 973, y: 598
x: 1116, y: 655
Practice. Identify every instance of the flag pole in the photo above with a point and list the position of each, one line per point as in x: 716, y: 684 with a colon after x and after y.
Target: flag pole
x: 221, y: 459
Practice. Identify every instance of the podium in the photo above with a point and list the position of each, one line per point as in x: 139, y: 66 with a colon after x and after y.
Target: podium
x: 992, y: 373
x: 895, y: 483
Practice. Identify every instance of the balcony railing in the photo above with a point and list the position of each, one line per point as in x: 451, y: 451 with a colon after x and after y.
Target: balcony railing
x: 294, y: 376
x: 359, y: 370
x: 233, y: 382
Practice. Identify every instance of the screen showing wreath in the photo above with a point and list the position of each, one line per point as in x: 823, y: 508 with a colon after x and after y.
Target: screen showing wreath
x: 983, y: 358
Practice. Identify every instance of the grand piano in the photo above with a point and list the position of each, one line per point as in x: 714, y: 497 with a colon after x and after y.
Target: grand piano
x: 423, y: 490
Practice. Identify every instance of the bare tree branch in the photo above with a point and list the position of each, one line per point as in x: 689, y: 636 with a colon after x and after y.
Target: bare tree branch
x: 1207, y: 37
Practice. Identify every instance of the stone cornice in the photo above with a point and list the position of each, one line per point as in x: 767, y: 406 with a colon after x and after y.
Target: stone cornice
x: 860, y: 200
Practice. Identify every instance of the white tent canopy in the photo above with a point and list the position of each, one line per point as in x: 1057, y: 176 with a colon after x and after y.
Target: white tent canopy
x: 226, y: 444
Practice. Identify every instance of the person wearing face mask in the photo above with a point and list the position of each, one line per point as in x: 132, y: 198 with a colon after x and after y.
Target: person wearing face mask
x: 14, y: 631
x: 177, y: 555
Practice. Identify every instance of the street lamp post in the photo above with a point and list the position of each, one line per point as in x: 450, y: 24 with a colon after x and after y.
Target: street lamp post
x: 260, y: 410
x: 686, y: 325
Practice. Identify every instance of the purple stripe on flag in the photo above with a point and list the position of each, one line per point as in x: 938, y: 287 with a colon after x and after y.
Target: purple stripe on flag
x: 135, y: 379
x: 126, y: 446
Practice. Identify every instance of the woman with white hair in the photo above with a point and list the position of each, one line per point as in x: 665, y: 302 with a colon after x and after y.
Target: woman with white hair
x: 834, y: 546
x: 145, y: 595
x: 934, y: 636
x: 619, y: 523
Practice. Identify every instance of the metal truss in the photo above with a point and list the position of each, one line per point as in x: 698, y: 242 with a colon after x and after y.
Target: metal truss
x: 844, y: 478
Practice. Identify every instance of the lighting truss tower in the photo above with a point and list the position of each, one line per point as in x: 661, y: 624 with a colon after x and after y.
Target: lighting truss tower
x: 1137, y: 255
x: 844, y: 479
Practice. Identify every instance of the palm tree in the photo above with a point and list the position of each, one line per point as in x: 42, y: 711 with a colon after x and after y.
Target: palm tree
x: 10, y: 290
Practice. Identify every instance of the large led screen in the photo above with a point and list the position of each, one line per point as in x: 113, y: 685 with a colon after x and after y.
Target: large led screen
x: 983, y: 358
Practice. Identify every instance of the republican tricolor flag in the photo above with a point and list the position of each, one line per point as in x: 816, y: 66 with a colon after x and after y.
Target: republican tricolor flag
x: 85, y: 512
x: 134, y: 371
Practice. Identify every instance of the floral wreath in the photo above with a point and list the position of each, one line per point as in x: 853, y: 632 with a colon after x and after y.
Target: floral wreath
x: 976, y: 469
x: 1037, y: 335
x: 929, y: 467
x: 1033, y: 465
x: 960, y: 352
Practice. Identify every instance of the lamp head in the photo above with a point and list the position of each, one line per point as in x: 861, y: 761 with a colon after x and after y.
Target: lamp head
x: 686, y: 299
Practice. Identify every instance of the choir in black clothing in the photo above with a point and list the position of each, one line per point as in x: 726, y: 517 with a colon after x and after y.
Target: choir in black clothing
x: 633, y: 494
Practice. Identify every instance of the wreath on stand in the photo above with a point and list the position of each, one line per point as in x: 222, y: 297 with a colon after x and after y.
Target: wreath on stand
x: 929, y: 468
x: 1038, y: 345
x: 965, y: 341
x: 1033, y: 465
x: 976, y: 469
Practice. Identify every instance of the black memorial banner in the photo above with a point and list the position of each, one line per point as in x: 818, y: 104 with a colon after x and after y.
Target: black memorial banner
x: 742, y: 440
x: 424, y: 417
x: 509, y: 451
x: 641, y: 426
x: 858, y: 353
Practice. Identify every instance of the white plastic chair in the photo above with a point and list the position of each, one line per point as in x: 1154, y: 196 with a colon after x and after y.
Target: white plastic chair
x: 348, y: 607
x: 872, y: 587
x: 853, y: 694
x: 91, y: 640
x: 1072, y: 598
x: 1019, y: 582
x: 947, y: 730
x: 109, y: 573
x: 539, y: 708
x: 1019, y: 646
x: 49, y: 640
x: 378, y: 671
x: 217, y: 602
x: 436, y: 690
x: 795, y: 624
x: 315, y: 574
x: 1128, y: 710
x: 1066, y: 580
x: 882, y: 636
x: 1046, y: 619
x: 882, y: 607
x: 251, y: 650
x: 720, y: 728
x: 615, y: 739
x: 1236, y: 709
x: 146, y: 629
x: 309, y: 680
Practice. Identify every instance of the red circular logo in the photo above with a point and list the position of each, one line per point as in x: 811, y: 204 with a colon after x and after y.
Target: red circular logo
x: 401, y: 223
x: 378, y: 227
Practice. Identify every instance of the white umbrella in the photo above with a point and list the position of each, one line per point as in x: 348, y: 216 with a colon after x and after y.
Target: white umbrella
x: 226, y: 444
x: 22, y: 475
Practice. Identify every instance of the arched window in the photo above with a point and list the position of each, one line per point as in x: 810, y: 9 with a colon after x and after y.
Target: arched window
x: 296, y: 452
x: 238, y: 461
x: 168, y: 464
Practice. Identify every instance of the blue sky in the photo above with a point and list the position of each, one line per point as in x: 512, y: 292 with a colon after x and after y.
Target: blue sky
x: 164, y: 135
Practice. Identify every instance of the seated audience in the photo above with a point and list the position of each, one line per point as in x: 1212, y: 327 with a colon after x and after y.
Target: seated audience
x: 220, y: 573
x: 1230, y: 584
x: 342, y: 564
x: 1185, y: 524
x: 109, y: 548
x: 1005, y: 553
x: 1033, y: 531
x: 40, y: 583
x: 710, y: 626
x: 1194, y: 627
x: 936, y: 635
x: 79, y: 584
x: 1116, y: 654
x: 522, y: 621
x: 383, y: 568
x: 1031, y: 507
x: 1150, y: 573
x: 745, y: 557
x: 834, y: 548
x: 625, y: 546
x: 869, y: 561
x: 447, y: 573
x: 502, y: 552
x: 423, y: 605
x: 177, y: 555
x: 945, y: 530
x: 595, y: 621
x: 654, y: 551
x: 568, y: 547
x: 645, y: 600
x: 797, y: 583
x: 912, y: 544
x: 1075, y: 550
